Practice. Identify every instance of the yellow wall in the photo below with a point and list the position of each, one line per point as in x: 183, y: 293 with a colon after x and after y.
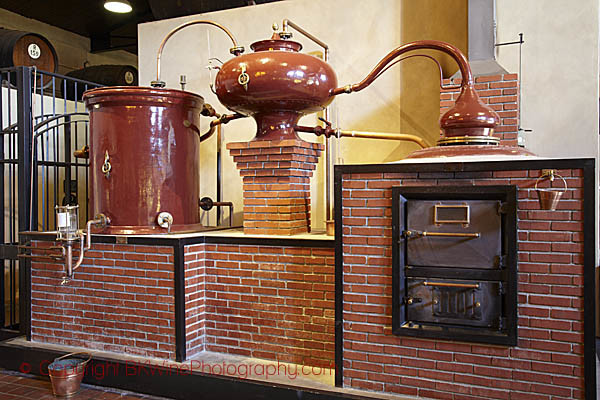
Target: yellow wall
x: 420, y: 101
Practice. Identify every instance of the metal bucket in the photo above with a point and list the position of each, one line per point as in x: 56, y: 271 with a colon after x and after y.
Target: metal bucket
x: 549, y: 197
x: 66, y: 374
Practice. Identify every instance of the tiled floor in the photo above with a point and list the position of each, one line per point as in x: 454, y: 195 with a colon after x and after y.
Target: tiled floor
x: 16, y: 386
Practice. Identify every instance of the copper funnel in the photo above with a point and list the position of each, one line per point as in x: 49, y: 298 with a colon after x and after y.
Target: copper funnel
x: 549, y: 197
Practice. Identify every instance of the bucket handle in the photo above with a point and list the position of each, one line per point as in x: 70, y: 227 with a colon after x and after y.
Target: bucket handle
x: 76, y: 353
x: 550, y: 174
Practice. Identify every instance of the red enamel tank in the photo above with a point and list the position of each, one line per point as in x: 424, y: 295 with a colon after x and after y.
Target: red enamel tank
x: 144, y: 158
x: 276, y: 85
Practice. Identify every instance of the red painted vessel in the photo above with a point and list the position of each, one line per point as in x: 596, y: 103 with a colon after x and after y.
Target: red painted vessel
x: 144, y: 158
x: 276, y: 85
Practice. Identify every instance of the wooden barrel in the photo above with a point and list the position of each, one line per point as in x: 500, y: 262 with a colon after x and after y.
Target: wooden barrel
x: 106, y: 75
x: 18, y: 48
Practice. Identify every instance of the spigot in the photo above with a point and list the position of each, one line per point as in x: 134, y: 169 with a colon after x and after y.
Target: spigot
x: 85, y: 243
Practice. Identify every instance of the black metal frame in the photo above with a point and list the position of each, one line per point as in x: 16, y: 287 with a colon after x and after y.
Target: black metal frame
x: 589, y: 241
x: 508, y: 275
x: 23, y: 130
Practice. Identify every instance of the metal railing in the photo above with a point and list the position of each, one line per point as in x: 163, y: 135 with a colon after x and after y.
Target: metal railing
x: 42, y: 122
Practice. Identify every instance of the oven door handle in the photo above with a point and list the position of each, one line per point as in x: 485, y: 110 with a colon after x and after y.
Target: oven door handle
x: 450, y: 284
x: 413, y: 234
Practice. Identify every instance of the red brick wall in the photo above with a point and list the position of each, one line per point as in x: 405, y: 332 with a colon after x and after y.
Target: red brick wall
x: 548, y: 361
x: 276, y: 177
x: 194, y: 298
x: 271, y: 302
x: 500, y: 92
x: 121, y: 300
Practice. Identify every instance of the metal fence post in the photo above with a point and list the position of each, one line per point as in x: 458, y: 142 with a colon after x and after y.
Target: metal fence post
x: 24, y: 140
x: 24, y: 146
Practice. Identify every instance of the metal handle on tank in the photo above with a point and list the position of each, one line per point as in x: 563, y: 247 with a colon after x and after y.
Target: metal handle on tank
x: 106, y: 167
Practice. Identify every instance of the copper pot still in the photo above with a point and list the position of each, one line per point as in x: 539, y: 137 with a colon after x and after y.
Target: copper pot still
x: 276, y: 85
x: 144, y: 158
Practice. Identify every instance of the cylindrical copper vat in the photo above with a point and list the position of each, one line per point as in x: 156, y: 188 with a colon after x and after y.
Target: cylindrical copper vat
x: 144, y: 158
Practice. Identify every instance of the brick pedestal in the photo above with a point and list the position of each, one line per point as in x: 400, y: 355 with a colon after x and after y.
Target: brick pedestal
x: 276, y: 178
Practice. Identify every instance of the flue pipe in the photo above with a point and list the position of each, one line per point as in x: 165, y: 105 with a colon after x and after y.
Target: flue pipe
x: 235, y: 50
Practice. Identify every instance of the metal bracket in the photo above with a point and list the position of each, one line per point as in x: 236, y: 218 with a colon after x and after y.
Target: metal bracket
x: 411, y: 300
x: 500, y: 261
x: 243, y: 78
x: 106, y: 167
x: 502, y: 323
x: 502, y: 208
x: 501, y: 288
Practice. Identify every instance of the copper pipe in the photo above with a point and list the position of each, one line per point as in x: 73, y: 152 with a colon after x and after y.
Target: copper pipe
x: 469, y: 116
x: 387, y: 136
x: 235, y: 50
x: 328, y: 132
x: 455, y: 53
x: 222, y: 120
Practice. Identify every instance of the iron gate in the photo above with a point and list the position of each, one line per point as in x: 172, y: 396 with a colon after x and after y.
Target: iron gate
x: 42, y: 122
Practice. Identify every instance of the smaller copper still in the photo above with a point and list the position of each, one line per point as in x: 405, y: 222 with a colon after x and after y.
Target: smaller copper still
x: 549, y: 197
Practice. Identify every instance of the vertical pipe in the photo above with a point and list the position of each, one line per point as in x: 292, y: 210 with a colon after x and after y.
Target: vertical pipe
x: 67, y: 155
x: 2, y: 221
x: 219, y: 171
x: 328, y: 159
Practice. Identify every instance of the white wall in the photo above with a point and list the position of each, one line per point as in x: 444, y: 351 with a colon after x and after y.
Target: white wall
x: 359, y: 35
x: 72, y: 49
x: 559, y: 98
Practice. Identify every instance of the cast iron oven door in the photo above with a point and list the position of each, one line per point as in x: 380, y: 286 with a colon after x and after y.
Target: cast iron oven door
x: 454, y: 259
x: 471, y: 233
x: 460, y: 302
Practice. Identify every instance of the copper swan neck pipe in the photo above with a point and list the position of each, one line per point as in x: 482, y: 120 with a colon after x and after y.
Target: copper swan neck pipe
x: 454, y: 52
x: 235, y: 50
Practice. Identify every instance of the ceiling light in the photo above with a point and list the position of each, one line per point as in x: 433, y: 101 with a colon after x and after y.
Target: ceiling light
x: 118, y: 6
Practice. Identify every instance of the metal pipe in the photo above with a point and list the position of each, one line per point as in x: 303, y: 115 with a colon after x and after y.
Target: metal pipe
x: 328, y: 132
x: 286, y: 22
x: 461, y: 60
x: 386, y: 136
x: 225, y: 204
x: 223, y: 119
x: 455, y: 285
x: 235, y: 50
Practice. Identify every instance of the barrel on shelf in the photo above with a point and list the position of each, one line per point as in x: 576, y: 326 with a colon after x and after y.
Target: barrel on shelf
x: 19, y: 48
x: 106, y: 75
